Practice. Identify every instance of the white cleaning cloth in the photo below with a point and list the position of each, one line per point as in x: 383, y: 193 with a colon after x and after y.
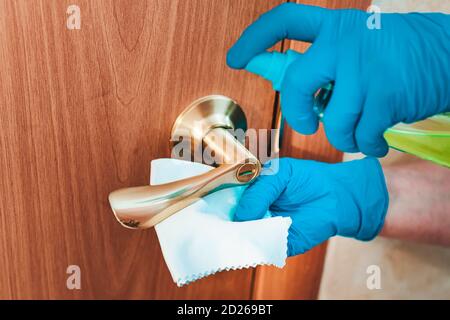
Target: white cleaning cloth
x: 202, y: 239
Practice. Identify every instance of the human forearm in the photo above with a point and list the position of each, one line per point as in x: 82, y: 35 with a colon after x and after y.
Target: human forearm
x: 420, y: 202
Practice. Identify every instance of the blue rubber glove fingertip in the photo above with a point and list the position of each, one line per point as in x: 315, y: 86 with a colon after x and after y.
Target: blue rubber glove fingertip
x: 233, y: 60
x: 242, y: 213
x: 305, y: 125
x: 378, y: 151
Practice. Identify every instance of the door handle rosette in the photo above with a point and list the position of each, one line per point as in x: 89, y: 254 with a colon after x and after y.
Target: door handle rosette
x: 205, y: 125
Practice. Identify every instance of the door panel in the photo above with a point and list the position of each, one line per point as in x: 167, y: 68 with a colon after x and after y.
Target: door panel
x: 82, y: 113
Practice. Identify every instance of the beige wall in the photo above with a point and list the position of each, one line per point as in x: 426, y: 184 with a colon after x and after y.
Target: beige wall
x: 413, y: 5
x: 408, y: 270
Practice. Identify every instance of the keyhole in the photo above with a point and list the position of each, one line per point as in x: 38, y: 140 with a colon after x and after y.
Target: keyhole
x: 246, y: 172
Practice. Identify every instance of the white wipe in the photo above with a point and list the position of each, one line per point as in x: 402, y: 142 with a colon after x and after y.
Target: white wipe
x: 202, y: 239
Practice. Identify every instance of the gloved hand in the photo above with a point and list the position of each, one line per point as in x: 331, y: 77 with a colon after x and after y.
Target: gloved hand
x: 399, y: 73
x: 323, y: 200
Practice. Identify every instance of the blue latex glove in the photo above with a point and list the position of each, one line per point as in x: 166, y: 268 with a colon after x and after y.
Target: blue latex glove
x: 323, y: 200
x: 400, y: 73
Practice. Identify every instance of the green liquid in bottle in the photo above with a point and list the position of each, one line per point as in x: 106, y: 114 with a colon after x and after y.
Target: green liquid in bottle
x: 428, y: 139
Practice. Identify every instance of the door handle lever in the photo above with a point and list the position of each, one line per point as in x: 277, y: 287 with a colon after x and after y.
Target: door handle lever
x: 206, y: 123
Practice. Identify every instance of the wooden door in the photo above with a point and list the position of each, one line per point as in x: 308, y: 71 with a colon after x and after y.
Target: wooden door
x: 82, y: 113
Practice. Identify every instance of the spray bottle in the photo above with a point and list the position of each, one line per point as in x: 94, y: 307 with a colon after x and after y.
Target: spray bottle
x: 428, y: 139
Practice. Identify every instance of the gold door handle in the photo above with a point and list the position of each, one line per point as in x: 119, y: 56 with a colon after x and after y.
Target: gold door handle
x: 205, y: 123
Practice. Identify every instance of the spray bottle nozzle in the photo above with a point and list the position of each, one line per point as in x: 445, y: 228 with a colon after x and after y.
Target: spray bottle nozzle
x: 272, y: 66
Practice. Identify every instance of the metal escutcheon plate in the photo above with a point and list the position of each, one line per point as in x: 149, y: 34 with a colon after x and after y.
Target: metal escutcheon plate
x: 204, y: 114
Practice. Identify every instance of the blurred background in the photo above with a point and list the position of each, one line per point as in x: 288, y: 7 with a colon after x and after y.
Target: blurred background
x: 417, y: 267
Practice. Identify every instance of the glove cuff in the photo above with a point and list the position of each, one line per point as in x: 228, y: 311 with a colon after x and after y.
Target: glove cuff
x: 376, y: 202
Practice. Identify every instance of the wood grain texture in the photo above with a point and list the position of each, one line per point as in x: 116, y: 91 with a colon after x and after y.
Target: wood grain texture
x: 82, y: 113
x: 300, y: 278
